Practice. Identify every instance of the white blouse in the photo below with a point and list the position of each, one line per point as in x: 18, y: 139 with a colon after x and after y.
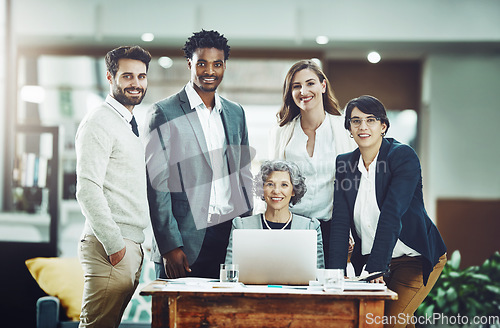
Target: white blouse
x: 367, y: 212
x: 319, y: 170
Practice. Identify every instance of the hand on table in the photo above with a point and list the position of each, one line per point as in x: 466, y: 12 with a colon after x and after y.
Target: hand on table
x: 379, y: 280
x: 176, y: 263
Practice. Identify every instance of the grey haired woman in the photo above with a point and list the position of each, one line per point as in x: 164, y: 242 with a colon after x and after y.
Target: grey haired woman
x: 280, y: 184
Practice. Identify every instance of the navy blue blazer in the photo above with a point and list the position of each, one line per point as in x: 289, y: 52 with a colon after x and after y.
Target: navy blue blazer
x: 398, y: 183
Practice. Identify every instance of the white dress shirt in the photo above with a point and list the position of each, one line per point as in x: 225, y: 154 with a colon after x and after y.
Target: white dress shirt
x: 319, y: 170
x: 367, y: 212
x: 215, y: 137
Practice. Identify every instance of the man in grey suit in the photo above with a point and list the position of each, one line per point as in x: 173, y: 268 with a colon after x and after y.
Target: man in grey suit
x: 198, y: 164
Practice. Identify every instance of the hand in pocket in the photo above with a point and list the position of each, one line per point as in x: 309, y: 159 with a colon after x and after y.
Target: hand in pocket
x: 115, y: 258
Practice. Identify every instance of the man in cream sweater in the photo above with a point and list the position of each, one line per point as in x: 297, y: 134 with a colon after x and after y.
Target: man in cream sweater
x: 111, y: 191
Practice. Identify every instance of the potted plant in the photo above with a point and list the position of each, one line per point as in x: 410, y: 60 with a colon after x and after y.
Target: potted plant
x: 459, y: 296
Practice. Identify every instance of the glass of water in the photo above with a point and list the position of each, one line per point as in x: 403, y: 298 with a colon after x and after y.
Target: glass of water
x: 229, y: 273
x: 333, y: 280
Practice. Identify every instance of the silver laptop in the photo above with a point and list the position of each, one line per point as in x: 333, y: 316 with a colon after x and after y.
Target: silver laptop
x: 284, y: 257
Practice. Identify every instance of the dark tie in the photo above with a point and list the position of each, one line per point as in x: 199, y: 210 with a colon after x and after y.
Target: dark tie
x: 134, y: 126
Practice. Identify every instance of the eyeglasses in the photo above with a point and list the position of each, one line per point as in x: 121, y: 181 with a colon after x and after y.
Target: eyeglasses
x: 370, y: 121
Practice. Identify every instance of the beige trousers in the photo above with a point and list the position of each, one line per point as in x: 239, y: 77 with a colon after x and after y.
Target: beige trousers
x: 406, y: 280
x: 107, y: 289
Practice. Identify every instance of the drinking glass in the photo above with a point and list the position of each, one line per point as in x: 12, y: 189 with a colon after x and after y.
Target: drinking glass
x: 229, y: 273
x: 333, y: 280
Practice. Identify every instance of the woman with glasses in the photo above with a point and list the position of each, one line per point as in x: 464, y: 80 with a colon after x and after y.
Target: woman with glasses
x: 378, y: 196
x: 279, y: 184
x: 310, y: 133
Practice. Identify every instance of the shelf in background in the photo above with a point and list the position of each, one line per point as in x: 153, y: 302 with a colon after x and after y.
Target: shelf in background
x: 24, y: 227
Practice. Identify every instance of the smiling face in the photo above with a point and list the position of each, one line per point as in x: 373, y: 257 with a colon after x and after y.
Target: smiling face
x: 307, y: 90
x: 367, y: 136
x: 207, y: 69
x: 278, y: 190
x: 130, y: 83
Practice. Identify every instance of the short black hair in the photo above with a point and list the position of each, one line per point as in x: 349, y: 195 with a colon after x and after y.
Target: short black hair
x: 206, y: 39
x: 368, y: 105
x: 130, y: 52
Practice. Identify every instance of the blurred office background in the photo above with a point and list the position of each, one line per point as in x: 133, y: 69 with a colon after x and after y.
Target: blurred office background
x: 439, y: 75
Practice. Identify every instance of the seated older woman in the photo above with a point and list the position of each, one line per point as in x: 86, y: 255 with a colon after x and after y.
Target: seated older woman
x: 281, y: 185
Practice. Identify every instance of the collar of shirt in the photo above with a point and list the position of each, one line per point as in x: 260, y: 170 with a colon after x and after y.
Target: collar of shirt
x: 370, y: 173
x: 119, y: 108
x: 195, y: 99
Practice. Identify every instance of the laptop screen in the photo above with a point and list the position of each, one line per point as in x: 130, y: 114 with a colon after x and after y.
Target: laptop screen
x: 286, y: 257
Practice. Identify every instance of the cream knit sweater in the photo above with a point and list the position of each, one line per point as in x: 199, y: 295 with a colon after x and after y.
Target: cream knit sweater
x: 111, y: 179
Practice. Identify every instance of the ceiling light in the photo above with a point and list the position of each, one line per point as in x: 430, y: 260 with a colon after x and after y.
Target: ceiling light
x: 148, y: 37
x: 165, y: 62
x: 322, y: 39
x: 373, y: 57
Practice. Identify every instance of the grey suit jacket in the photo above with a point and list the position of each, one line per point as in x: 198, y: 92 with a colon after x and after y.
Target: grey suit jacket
x: 180, y: 173
x: 298, y: 222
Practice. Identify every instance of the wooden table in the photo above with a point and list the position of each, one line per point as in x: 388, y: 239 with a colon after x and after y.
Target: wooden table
x: 203, y: 305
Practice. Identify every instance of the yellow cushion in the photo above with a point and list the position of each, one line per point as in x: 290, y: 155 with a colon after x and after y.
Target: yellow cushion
x: 60, y: 277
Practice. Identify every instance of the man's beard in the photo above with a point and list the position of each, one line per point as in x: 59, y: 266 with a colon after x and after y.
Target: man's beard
x: 207, y: 87
x: 210, y: 89
x: 120, y: 95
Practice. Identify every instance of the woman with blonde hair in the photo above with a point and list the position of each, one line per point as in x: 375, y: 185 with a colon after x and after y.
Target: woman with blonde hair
x: 311, y: 133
